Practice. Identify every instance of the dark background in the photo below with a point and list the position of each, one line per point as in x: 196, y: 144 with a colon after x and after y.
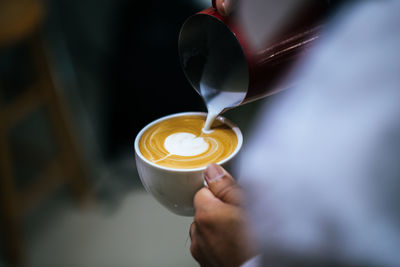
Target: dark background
x: 130, y: 50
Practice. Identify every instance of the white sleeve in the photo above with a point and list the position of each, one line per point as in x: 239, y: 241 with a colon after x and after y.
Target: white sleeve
x: 253, y: 262
x: 322, y: 169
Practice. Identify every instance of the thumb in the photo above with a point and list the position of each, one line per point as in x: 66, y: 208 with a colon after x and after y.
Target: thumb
x: 222, y: 185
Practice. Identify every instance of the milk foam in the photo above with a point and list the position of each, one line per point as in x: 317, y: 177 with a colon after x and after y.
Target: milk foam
x: 178, y: 142
x: 185, y: 144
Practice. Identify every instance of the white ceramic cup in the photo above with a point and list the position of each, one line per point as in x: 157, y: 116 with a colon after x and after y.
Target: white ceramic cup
x: 175, y: 188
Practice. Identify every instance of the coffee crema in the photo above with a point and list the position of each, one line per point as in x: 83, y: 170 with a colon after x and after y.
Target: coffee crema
x: 179, y: 142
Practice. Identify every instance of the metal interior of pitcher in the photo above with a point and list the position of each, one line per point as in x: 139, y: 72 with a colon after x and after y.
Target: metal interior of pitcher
x: 213, y: 60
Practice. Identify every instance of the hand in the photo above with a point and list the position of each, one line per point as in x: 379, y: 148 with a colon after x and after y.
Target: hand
x: 225, y: 7
x: 219, y: 233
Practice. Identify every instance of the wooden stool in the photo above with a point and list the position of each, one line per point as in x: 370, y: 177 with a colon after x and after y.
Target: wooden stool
x: 20, y: 23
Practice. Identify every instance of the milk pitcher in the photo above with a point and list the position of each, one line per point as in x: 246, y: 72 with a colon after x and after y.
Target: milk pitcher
x: 221, y: 65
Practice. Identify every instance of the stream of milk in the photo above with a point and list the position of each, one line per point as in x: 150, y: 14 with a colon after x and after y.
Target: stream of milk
x: 216, y: 101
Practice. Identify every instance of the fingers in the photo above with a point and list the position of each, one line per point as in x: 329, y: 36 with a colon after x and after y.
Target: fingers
x: 225, y: 7
x: 222, y: 185
x: 195, y: 249
x: 217, y: 226
x: 191, y: 230
x: 196, y: 246
x: 204, y: 200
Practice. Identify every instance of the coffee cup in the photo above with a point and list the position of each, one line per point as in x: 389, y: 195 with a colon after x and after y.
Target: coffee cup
x: 175, y: 187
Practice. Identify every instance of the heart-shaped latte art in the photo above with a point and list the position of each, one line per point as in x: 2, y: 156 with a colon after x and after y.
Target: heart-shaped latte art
x: 185, y: 144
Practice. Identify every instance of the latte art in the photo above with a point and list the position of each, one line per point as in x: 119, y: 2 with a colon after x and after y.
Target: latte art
x: 179, y: 142
x: 185, y: 144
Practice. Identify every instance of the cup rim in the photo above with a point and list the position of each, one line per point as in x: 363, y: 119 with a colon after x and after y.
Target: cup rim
x: 224, y: 120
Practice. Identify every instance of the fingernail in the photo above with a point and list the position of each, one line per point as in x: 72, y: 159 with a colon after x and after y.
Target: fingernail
x: 213, y: 173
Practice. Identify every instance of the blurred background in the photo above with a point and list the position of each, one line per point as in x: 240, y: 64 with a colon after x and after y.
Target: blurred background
x: 78, y: 80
